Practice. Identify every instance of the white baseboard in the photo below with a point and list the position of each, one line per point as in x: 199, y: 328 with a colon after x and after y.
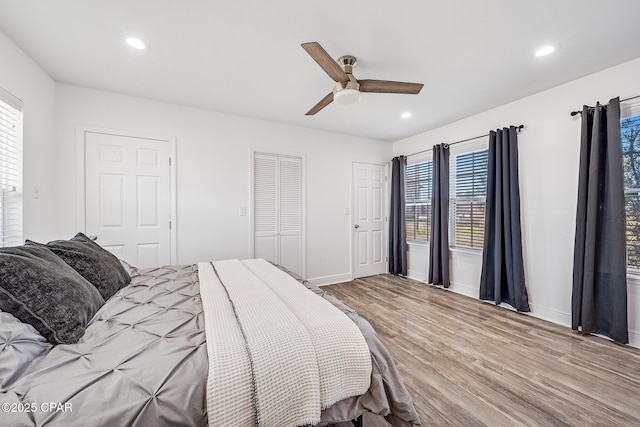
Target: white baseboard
x: 417, y: 275
x: 330, y: 280
x: 550, y: 314
x: 634, y: 339
x: 466, y: 290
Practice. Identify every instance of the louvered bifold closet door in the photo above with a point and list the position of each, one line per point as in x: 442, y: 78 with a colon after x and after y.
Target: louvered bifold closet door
x: 10, y: 170
x: 290, y: 218
x: 277, y: 210
x: 265, y: 207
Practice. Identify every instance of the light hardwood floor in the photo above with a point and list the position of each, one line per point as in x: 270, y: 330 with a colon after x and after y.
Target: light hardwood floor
x: 469, y: 363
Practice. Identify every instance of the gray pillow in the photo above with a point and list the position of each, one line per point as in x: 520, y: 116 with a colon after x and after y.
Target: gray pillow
x: 100, y: 267
x: 40, y: 289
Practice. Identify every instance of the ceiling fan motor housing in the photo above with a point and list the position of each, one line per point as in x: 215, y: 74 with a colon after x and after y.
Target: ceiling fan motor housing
x: 347, y: 62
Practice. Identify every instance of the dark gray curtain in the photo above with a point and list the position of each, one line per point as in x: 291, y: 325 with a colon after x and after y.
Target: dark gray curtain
x: 439, y: 243
x: 502, y: 277
x: 599, y: 299
x: 397, y: 230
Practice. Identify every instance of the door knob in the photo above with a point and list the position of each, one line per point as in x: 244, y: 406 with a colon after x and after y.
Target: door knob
x: 356, y: 226
x: 93, y: 237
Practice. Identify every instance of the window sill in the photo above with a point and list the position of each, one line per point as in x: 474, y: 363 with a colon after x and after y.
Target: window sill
x: 460, y: 250
x: 465, y: 251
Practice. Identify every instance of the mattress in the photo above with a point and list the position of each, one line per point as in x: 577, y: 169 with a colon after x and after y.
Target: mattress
x: 143, y: 361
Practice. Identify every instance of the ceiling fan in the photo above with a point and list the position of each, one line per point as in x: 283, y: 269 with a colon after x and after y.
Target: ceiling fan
x: 347, y: 89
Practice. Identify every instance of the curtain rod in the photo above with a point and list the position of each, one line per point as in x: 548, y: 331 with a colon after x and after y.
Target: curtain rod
x: 573, y: 113
x: 518, y: 128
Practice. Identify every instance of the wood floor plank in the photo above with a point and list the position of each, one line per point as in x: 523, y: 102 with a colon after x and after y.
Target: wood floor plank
x: 469, y: 363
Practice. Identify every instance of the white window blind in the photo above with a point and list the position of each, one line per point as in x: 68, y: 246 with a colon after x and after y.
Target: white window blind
x: 468, y: 198
x: 418, y: 188
x: 10, y: 170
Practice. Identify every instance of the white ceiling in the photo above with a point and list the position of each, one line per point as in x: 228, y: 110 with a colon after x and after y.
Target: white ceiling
x: 245, y: 58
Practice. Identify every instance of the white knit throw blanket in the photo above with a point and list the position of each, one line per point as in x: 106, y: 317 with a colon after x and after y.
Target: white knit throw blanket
x: 278, y: 353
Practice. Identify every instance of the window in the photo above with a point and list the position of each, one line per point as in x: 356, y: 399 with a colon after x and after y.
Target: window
x: 417, y: 187
x: 10, y: 170
x: 630, y: 131
x: 468, y: 192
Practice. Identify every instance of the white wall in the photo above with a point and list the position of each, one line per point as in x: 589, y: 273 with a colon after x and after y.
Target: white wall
x: 213, y: 174
x: 20, y: 76
x: 213, y: 171
x: 548, y: 149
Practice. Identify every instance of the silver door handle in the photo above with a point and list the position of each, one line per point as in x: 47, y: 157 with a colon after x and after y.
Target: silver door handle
x: 356, y: 226
x: 93, y: 237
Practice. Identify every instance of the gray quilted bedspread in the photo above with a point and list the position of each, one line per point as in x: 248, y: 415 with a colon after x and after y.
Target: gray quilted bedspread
x: 143, y: 362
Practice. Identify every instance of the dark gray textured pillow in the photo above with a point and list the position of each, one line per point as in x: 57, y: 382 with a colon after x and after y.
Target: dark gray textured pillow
x: 40, y: 289
x: 100, y: 267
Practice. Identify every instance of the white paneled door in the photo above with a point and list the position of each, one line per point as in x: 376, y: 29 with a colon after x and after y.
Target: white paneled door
x: 127, y: 197
x: 278, y: 204
x: 369, y: 219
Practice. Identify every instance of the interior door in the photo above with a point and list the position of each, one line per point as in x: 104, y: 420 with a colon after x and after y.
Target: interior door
x: 127, y: 197
x: 277, y: 218
x: 369, y: 239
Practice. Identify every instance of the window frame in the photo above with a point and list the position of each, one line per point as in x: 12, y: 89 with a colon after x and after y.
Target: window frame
x: 11, y: 225
x: 630, y: 110
x: 479, y: 144
x: 426, y: 157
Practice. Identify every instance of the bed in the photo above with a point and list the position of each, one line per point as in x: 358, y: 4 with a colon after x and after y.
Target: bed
x: 136, y: 350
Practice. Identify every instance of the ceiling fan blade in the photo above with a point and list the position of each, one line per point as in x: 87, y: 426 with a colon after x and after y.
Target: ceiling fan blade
x: 325, y: 61
x: 320, y: 105
x: 386, y: 86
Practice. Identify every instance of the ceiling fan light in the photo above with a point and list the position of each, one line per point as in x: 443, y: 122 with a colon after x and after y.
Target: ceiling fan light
x: 346, y: 96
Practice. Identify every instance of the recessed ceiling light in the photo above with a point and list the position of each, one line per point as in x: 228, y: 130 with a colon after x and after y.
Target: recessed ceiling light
x: 137, y: 43
x: 546, y: 50
x: 405, y: 115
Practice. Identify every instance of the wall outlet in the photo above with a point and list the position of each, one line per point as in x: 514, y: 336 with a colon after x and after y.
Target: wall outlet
x: 243, y: 211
